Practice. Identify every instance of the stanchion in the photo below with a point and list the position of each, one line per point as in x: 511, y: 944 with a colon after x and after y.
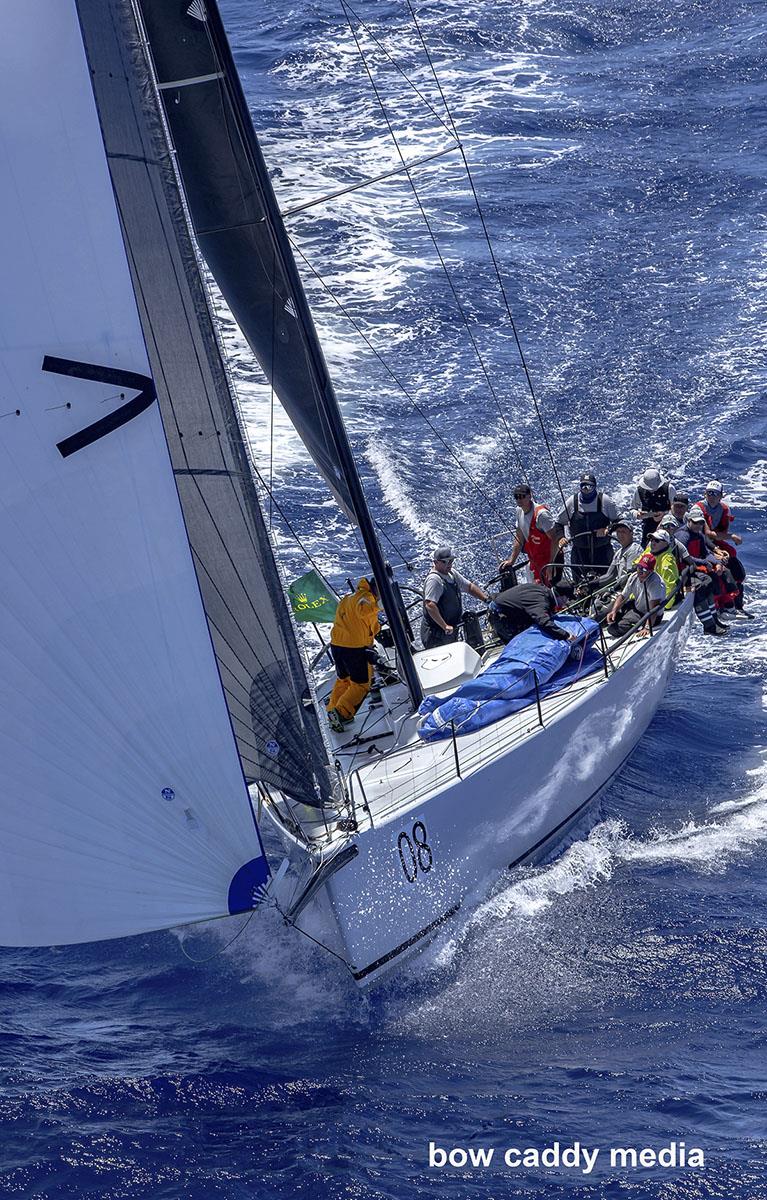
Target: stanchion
x: 455, y: 751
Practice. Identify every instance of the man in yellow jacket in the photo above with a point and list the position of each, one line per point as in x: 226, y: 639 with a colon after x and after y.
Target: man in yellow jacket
x: 351, y: 641
x: 665, y: 563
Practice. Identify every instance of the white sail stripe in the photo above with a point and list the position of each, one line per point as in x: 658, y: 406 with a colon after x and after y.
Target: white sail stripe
x: 179, y: 83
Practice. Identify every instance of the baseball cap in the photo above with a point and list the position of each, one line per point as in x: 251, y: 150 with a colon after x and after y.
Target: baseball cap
x: 660, y: 535
x: 588, y: 477
x: 696, y: 516
x: 626, y: 524
x: 652, y: 479
x: 443, y: 553
x: 681, y: 498
x: 714, y: 486
x: 647, y: 561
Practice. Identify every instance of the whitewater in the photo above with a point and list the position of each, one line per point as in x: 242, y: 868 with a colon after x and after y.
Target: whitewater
x: 614, y: 994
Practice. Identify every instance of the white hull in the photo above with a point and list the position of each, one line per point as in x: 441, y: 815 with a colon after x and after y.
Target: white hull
x: 394, y: 894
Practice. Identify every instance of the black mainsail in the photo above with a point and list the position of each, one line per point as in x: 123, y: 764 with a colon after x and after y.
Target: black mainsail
x: 230, y: 200
x: 241, y: 234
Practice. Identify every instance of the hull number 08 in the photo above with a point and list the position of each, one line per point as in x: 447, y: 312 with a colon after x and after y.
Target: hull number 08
x: 415, y: 852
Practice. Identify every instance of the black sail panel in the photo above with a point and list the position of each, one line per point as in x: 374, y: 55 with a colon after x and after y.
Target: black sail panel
x: 263, y: 677
x: 227, y: 186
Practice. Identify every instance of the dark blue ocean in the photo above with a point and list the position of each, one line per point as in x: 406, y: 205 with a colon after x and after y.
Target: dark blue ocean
x: 617, y: 994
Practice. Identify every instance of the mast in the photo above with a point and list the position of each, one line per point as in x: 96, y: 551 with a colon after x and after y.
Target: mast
x: 202, y: 95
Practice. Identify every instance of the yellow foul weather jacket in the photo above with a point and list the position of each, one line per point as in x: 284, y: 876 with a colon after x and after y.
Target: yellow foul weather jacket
x: 665, y: 565
x: 356, y: 622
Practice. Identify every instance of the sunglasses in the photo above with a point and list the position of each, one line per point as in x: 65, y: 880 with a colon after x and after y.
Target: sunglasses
x: 521, y: 495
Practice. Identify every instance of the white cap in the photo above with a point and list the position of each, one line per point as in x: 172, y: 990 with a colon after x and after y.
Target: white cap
x: 714, y: 485
x: 652, y: 479
x: 660, y: 535
x: 695, y: 514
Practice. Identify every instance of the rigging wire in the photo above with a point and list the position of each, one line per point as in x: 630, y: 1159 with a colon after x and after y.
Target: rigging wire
x: 291, y: 529
x: 271, y: 386
x: 435, y: 243
x: 245, y: 149
x: 221, y: 949
x: 401, y: 71
x: 403, y: 388
x: 269, y: 903
x: 491, y: 251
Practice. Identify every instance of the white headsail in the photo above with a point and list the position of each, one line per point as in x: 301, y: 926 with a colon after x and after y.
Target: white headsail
x: 123, y: 805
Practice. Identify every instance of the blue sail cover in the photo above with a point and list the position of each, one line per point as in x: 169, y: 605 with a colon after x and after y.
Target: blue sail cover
x: 509, y: 684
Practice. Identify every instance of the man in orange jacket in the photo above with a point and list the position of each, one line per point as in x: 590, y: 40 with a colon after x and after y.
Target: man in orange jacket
x: 351, y: 641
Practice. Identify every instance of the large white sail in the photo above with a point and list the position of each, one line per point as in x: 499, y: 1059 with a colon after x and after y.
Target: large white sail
x: 123, y: 805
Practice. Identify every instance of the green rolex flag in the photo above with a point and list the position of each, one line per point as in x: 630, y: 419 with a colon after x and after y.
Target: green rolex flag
x: 312, y: 600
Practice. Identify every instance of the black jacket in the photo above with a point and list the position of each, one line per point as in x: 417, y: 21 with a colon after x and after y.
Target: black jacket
x: 530, y: 604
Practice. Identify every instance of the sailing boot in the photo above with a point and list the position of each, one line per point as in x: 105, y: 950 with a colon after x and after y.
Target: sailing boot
x: 336, y: 722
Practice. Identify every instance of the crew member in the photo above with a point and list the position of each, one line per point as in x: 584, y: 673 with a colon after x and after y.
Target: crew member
x: 588, y: 513
x: 443, y: 607
x: 709, y: 576
x: 719, y: 518
x: 624, y: 557
x: 652, y: 498
x: 679, y: 506
x: 517, y: 608
x: 642, y: 592
x: 351, y: 644
x: 535, y: 525
x: 665, y: 564
x: 620, y: 568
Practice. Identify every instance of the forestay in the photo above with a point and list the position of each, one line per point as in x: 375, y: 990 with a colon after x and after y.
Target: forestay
x: 124, y: 806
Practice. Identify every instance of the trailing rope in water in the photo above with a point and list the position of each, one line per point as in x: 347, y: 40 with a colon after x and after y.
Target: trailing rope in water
x: 271, y: 902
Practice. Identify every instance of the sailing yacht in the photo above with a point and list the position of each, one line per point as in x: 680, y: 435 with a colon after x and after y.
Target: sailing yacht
x: 156, y: 702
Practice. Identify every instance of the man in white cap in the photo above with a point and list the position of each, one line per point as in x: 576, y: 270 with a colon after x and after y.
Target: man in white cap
x: 652, y: 498
x: 665, y: 563
x: 443, y: 607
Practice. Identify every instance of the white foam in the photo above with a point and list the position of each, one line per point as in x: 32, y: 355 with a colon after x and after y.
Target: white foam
x: 396, y: 493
